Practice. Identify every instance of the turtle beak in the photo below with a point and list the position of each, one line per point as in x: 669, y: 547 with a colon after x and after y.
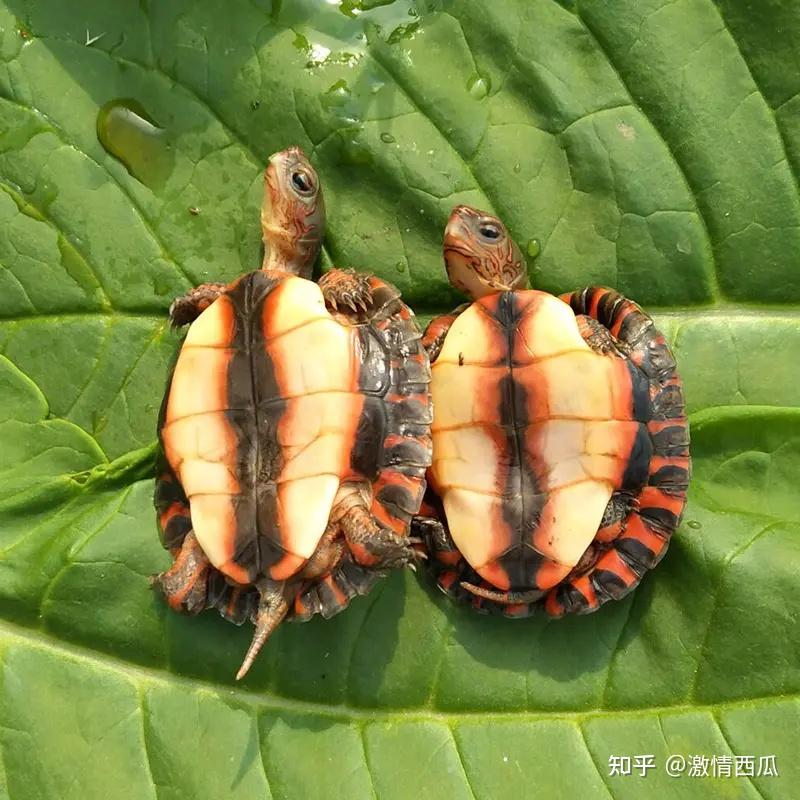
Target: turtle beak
x: 458, y: 226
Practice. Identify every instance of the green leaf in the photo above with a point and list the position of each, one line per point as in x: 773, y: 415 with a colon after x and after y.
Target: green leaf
x: 647, y: 145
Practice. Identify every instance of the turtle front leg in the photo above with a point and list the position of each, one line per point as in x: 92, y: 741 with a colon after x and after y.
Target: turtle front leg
x: 185, y: 584
x: 188, y: 308
x: 359, y: 295
x: 372, y: 545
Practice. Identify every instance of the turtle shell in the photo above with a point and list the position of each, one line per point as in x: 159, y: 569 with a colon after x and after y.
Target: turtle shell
x: 274, y: 406
x: 535, y: 432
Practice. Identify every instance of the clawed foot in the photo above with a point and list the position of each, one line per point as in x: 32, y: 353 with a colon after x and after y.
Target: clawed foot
x: 346, y: 290
x: 187, y: 309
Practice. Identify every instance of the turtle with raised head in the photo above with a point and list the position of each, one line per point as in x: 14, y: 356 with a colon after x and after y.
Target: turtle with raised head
x: 295, y: 429
x: 560, y: 441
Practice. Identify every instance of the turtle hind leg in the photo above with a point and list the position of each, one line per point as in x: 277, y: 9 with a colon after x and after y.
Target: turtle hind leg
x: 599, y: 338
x: 273, y: 605
x: 372, y: 545
x: 188, y: 308
x: 185, y: 584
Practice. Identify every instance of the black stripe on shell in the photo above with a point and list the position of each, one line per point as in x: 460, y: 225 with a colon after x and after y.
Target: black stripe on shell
x: 638, y: 467
x: 255, y: 409
x: 609, y: 584
x: 365, y: 457
x: 671, y: 441
x: 661, y: 518
x: 670, y: 477
x: 524, y: 501
x: 373, y: 374
x: 403, y: 503
x: 637, y: 555
x: 640, y: 393
x: 668, y: 403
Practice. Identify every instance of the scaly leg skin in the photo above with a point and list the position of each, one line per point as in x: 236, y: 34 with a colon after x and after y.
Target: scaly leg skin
x: 372, y: 545
x: 188, y: 308
x: 273, y: 605
x: 327, y: 555
x: 600, y: 339
x: 347, y: 291
x: 185, y: 583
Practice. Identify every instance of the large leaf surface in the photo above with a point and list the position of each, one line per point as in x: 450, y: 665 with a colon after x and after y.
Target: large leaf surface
x: 647, y: 145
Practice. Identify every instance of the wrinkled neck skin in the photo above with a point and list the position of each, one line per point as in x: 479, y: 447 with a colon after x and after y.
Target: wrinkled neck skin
x: 282, y: 254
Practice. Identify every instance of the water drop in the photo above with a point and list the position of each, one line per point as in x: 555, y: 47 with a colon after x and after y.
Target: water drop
x: 400, y: 266
x: 517, y: 167
x: 478, y: 86
x: 128, y: 133
x: 693, y: 523
x: 337, y: 95
x: 194, y: 211
x: 534, y: 248
x: 387, y: 138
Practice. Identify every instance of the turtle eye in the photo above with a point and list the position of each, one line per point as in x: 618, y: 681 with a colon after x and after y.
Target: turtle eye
x: 302, y: 182
x: 490, y: 231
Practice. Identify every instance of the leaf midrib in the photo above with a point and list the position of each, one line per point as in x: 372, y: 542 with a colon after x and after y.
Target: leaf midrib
x: 12, y: 634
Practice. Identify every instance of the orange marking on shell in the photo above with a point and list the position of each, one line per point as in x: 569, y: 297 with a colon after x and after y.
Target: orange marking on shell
x: 584, y: 586
x: 495, y: 575
x: 387, y: 519
x: 626, y: 308
x: 448, y: 557
x: 552, y: 607
x: 174, y: 510
x: 447, y: 579
x: 234, y: 599
x: 657, y: 462
x: 286, y: 567
x: 613, y: 562
x: 340, y: 596
x: 300, y: 608
x: 609, y: 532
x: 657, y: 425
x: 638, y: 530
x: 653, y: 497
x: 550, y: 573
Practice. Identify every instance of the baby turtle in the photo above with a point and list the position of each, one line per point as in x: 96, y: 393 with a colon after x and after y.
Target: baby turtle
x: 560, y: 441
x: 295, y: 429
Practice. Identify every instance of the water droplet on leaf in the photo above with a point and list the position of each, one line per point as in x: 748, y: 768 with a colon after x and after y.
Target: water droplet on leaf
x: 337, y: 95
x: 387, y: 138
x: 693, y: 523
x: 534, y: 248
x: 400, y: 266
x: 517, y: 167
x: 478, y: 86
x: 127, y: 132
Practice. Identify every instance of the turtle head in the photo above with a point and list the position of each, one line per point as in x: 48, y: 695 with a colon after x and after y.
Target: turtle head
x: 480, y: 256
x: 292, y: 213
